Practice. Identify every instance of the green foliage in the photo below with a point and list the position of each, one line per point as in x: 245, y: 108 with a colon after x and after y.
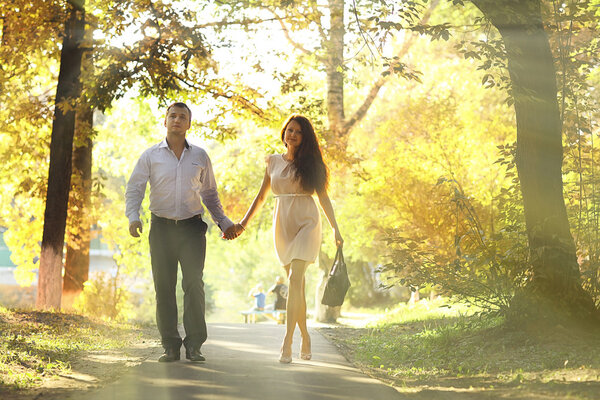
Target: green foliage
x: 25, y: 120
x: 489, y: 259
x: 170, y: 54
x: 486, y: 269
x: 446, y: 127
x: 575, y: 42
x: 25, y: 169
x: 466, y: 232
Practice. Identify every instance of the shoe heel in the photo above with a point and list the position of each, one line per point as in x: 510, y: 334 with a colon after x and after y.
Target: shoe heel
x: 285, y: 360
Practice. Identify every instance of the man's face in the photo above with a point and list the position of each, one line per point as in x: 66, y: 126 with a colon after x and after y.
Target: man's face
x: 177, y: 120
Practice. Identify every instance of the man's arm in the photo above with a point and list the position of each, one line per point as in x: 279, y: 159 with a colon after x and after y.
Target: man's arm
x: 134, y: 194
x: 210, y: 198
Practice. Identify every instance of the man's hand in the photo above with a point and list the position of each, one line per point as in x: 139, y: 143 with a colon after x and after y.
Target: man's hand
x: 135, y: 228
x: 233, y: 231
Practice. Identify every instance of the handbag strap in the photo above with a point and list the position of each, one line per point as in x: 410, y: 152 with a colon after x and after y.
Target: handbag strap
x: 338, y: 256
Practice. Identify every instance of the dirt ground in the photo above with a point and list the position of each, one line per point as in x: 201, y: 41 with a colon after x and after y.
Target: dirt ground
x: 93, y: 369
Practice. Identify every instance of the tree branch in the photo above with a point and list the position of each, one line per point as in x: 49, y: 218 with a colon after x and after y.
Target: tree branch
x: 224, y: 22
x: 228, y: 94
x: 296, y: 45
x: 319, y: 26
x: 360, y: 113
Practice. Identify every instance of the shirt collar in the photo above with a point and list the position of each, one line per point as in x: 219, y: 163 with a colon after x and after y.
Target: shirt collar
x: 165, y: 144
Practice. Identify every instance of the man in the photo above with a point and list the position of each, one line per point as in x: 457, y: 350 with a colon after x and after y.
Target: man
x: 280, y: 290
x: 181, y: 179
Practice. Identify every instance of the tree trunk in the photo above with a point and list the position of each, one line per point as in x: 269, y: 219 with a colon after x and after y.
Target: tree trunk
x: 77, y: 261
x: 334, y: 66
x: 555, y: 272
x: 59, y: 175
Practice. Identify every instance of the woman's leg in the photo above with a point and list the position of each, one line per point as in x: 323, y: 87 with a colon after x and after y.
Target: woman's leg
x: 296, y: 305
x: 301, y: 321
x: 305, y: 351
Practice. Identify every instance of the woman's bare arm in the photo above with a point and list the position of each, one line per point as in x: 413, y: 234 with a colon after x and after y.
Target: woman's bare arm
x: 328, y: 209
x: 258, y: 200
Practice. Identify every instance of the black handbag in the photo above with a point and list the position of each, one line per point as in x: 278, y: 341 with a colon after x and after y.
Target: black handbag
x: 337, y: 282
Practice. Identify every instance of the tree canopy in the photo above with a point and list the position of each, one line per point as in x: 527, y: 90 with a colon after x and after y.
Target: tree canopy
x: 414, y: 104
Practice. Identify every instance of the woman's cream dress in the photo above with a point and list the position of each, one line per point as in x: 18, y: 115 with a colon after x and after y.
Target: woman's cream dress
x: 297, y: 220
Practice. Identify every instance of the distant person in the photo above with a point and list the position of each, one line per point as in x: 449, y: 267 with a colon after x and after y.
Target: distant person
x: 294, y: 177
x: 181, y: 179
x: 280, y: 290
x: 259, y: 297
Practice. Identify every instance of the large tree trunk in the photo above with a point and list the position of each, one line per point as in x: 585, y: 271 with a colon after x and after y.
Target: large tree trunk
x: 59, y: 175
x: 77, y: 261
x: 78, y: 234
x: 539, y: 151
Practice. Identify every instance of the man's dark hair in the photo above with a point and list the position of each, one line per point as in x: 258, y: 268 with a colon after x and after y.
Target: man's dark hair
x: 179, y: 104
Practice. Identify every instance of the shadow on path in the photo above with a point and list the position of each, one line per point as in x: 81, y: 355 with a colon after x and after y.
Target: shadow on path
x: 242, y: 364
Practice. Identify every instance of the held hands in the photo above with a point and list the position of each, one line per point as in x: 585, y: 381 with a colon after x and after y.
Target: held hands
x: 233, y: 232
x: 135, y: 228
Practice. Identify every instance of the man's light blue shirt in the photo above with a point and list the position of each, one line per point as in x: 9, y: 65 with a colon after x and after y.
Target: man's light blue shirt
x: 178, y: 187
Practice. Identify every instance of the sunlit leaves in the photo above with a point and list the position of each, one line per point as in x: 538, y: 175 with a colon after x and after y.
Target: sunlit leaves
x: 574, y: 34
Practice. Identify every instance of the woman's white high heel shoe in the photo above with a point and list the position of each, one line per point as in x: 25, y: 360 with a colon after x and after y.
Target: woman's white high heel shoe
x: 285, y: 359
x: 307, y: 355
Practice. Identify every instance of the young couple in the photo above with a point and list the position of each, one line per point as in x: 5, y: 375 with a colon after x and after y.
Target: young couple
x: 181, y: 179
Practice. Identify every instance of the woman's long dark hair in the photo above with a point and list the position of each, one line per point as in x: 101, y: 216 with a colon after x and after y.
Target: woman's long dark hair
x: 308, y: 160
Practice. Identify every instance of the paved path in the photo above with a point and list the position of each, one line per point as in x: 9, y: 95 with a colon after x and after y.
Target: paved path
x: 242, y: 364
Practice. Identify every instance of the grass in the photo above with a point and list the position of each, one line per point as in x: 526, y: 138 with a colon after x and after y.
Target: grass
x: 427, y: 347
x: 35, y: 346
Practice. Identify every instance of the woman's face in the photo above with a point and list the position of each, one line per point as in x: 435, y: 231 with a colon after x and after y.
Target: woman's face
x: 293, y: 134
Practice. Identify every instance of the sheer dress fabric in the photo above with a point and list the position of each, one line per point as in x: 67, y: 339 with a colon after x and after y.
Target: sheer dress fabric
x: 297, y: 220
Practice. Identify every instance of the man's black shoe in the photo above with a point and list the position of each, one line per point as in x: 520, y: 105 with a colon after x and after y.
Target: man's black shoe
x: 194, y: 354
x: 170, y: 355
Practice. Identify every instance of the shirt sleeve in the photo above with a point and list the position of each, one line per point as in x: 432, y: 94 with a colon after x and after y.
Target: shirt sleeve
x: 210, y: 198
x: 136, y: 188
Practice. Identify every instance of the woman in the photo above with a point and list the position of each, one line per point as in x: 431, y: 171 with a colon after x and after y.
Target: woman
x: 294, y: 177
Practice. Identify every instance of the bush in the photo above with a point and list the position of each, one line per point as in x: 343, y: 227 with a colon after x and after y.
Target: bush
x: 486, y: 267
x: 102, y: 297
